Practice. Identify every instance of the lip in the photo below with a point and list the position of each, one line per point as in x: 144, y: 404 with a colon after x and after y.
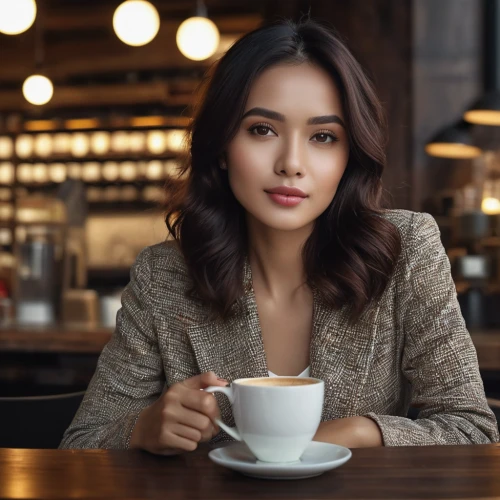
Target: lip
x: 284, y: 200
x: 287, y: 191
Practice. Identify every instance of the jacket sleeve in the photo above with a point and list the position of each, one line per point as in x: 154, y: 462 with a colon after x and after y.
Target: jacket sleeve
x: 129, y: 374
x: 439, y: 359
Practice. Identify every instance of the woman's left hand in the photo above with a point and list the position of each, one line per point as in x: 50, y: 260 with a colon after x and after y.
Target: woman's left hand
x: 351, y: 432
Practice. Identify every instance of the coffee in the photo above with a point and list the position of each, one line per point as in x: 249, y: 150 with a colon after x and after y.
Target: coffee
x: 278, y: 381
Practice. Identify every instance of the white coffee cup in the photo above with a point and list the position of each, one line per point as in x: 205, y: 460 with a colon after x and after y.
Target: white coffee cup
x: 277, y: 417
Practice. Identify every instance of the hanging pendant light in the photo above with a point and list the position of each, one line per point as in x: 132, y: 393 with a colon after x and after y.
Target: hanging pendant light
x: 136, y: 22
x: 198, y: 37
x: 486, y: 110
x: 16, y: 16
x: 38, y: 89
x: 453, y: 142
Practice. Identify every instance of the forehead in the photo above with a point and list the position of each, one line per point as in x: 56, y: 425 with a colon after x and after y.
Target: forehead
x: 303, y: 88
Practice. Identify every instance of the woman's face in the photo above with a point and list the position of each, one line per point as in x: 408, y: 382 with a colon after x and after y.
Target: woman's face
x: 292, y: 135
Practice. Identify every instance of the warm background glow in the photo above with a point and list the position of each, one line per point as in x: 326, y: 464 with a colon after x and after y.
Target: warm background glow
x: 490, y: 206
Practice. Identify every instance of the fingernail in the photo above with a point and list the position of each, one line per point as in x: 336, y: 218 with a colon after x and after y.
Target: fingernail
x: 222, y: 379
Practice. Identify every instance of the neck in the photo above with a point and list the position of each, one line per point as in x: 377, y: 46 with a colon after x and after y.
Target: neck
x: 275, y: 258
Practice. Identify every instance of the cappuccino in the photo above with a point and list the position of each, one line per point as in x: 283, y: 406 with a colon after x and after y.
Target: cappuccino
x: 278, y: 381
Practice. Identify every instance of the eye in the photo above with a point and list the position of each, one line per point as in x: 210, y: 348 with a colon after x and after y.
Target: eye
x: 261, y: 129
x: 325, y: 137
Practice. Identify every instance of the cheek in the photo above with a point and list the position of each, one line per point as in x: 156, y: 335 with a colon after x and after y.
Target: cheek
x: 245, y: 160
x: 330, y: 172
x: 241, y: 172
x: 240, y: 159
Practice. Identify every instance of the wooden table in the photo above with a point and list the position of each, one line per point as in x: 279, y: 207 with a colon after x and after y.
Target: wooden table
x: 419, y: 472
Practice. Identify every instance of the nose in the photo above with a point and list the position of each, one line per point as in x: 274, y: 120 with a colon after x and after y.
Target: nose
x: 291, y: 160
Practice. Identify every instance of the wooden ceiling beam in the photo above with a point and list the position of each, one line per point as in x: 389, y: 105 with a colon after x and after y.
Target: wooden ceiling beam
x: 93, y: 57
x: 69, y: 19
x: 176, y: 94
x: 106, y: 53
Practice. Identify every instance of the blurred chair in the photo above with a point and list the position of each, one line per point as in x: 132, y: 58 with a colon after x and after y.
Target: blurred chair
x: 36, y: 422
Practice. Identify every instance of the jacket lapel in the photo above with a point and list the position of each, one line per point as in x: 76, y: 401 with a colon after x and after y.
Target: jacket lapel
x: 341, y: 355
x: 233, y: 348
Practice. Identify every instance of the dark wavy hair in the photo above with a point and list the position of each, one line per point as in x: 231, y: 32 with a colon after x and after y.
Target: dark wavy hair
x: 351, y: 253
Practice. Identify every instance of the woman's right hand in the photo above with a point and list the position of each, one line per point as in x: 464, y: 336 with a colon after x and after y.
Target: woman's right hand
x: 180, y: 419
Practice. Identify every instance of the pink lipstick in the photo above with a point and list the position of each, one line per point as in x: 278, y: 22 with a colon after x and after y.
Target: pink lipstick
x: 286, y: 196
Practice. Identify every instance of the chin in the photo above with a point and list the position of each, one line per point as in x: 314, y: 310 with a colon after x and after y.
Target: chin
x: 280, y: 223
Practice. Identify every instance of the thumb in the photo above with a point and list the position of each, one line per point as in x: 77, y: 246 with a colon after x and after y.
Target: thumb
x: 204, y: 380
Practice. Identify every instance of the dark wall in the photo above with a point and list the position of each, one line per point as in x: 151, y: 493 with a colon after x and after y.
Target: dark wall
x: 447, y: 77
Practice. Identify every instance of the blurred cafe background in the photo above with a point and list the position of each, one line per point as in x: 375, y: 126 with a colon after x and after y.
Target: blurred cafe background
x: 94, y: 99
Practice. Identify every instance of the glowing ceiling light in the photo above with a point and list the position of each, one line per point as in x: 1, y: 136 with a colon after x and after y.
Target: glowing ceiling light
x: 136, y: 22
x: 16, y: 16
x: 38, y: 89
x: 197, y: 38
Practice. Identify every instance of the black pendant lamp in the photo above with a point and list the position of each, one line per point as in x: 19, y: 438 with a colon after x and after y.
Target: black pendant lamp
x: 486, y: 110
x: 453, y: 142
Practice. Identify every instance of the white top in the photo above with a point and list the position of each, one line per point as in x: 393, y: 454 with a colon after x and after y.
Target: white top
x: 305, y: 373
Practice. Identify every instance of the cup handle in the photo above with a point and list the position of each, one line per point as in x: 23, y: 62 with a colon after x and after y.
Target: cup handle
x: 228, y: 391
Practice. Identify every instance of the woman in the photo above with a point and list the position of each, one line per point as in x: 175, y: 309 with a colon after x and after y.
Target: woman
x: 285, y: 263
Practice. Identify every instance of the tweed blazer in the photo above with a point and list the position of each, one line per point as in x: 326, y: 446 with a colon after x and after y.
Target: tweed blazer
x: 411, y: 347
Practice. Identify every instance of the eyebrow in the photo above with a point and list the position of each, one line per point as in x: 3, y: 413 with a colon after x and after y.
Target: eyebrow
x: 274, y: 115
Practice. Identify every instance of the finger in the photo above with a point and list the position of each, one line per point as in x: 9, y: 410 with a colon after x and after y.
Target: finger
x: 185, y: 431
x: 173, y: 441
x: 194, y: 419
x: 204, y: 380
x: 194, y: 434
x: 202, y: 402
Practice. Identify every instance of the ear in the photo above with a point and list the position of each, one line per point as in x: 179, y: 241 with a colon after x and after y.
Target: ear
x: 223, y: 162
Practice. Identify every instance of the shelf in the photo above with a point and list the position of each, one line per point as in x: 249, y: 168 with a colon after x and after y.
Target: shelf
x: 119, y: 157
x: 171, y: 122
x: 122, y: 206
x: 138, y: 183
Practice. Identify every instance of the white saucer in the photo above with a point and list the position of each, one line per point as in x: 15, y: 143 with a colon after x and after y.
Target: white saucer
x: 318, y: 458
